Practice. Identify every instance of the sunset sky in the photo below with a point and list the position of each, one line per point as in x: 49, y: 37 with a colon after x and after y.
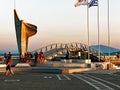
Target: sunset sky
x: 58, y: 21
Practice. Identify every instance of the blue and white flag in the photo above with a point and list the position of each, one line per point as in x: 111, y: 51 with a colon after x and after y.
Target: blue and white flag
x: 93, y: 3
x: 80, y: 2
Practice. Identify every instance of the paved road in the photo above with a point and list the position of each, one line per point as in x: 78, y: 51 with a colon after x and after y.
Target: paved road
x: 42, y: 81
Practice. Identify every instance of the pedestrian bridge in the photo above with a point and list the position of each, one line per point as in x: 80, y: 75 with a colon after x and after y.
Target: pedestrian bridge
x: 55, y: 49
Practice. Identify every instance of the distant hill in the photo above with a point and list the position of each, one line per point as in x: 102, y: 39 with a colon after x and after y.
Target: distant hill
x: 14, y: 52
x: 104, y: 49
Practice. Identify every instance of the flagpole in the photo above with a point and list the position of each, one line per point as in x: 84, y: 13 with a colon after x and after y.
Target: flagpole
x: 88, y: 30
x: 82, y: 2
x: 108, y: 34
x: 14, y: 4
x: 98, y: 31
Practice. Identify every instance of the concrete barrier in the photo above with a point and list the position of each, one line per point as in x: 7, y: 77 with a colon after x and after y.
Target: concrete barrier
x: 63, y: 61
x: 22, y: 65
x: 117, y: 67
x: 2, y: 65
x: 69, y: 61
x: 70, y: 71
x: 66, y: 61
x: 84, y: 61
x: 100, y: 65
x: 49, y: 58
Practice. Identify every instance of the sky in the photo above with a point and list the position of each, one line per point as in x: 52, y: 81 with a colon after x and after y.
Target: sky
x: 58, y: 21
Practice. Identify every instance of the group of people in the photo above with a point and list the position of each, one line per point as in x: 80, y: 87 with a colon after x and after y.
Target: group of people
x: 78, y: 54
x: 8, y: 64
x: 25, y: 58
x: 38, y: 57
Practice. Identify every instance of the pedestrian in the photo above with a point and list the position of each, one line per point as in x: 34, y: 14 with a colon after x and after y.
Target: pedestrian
x: 36, y: 57
x: 9, y: 55
x: 8, y: 68
x: 21, y: 58
x: 5, y: 57
x: 118, y: 55
x: 28, y: 58
x: 67, y: 55
x: 79, y: 55
x: 41, y: 58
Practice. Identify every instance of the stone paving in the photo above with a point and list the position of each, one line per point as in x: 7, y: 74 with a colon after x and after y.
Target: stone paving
x: 61, y: 68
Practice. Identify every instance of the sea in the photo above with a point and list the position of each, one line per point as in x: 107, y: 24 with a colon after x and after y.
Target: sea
x: 17, y: 54
x: 13, y: 54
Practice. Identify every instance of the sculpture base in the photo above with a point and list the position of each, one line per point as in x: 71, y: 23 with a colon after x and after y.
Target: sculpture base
x: 22, y: 65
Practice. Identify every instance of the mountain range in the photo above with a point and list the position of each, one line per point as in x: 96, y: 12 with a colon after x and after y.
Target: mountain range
x: 14, y: 52
x: 103, y: 49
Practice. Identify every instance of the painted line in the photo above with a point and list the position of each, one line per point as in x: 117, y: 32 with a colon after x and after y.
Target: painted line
x: 98, y: 82
x: 94, y: 83
x: 63, y: 77
x: 47, y: 77
x: 66, y: 77
x: 59, y: 77
x: 113, y: 74
x: 86, y: 82
x: 12, y: 80
x: 105, y: 81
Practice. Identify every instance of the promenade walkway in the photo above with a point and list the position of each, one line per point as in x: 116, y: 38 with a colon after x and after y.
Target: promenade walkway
x: 59, y: 67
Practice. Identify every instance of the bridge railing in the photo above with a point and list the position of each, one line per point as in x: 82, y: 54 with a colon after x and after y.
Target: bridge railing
x: 55, y: 49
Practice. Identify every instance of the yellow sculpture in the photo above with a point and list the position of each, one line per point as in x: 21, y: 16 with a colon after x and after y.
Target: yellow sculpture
x: 23, y: 32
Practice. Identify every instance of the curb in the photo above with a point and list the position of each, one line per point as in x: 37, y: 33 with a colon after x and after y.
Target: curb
x: 78, y: 70
x: 48, y: 70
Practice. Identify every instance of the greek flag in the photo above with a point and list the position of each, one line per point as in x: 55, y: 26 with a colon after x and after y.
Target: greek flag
x: 80, y: 2
x: 93, y: 3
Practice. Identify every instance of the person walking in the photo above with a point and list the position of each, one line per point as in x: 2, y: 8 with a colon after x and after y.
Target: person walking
x: 8, y: 68
x: 9, y: 55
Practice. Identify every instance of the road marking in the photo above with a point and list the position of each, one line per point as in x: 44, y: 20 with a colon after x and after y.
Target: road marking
x: 59, y: 77
x: 105, y: 81
x: 113, y: 74
x: 12, y: 80
x: 63, y: 77
x: 86, y: 82
x: 47, y: 77
x: 94, y: 83
x: 66, y: 77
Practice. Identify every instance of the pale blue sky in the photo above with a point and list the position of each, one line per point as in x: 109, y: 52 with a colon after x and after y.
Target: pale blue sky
x: 58, y: 21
